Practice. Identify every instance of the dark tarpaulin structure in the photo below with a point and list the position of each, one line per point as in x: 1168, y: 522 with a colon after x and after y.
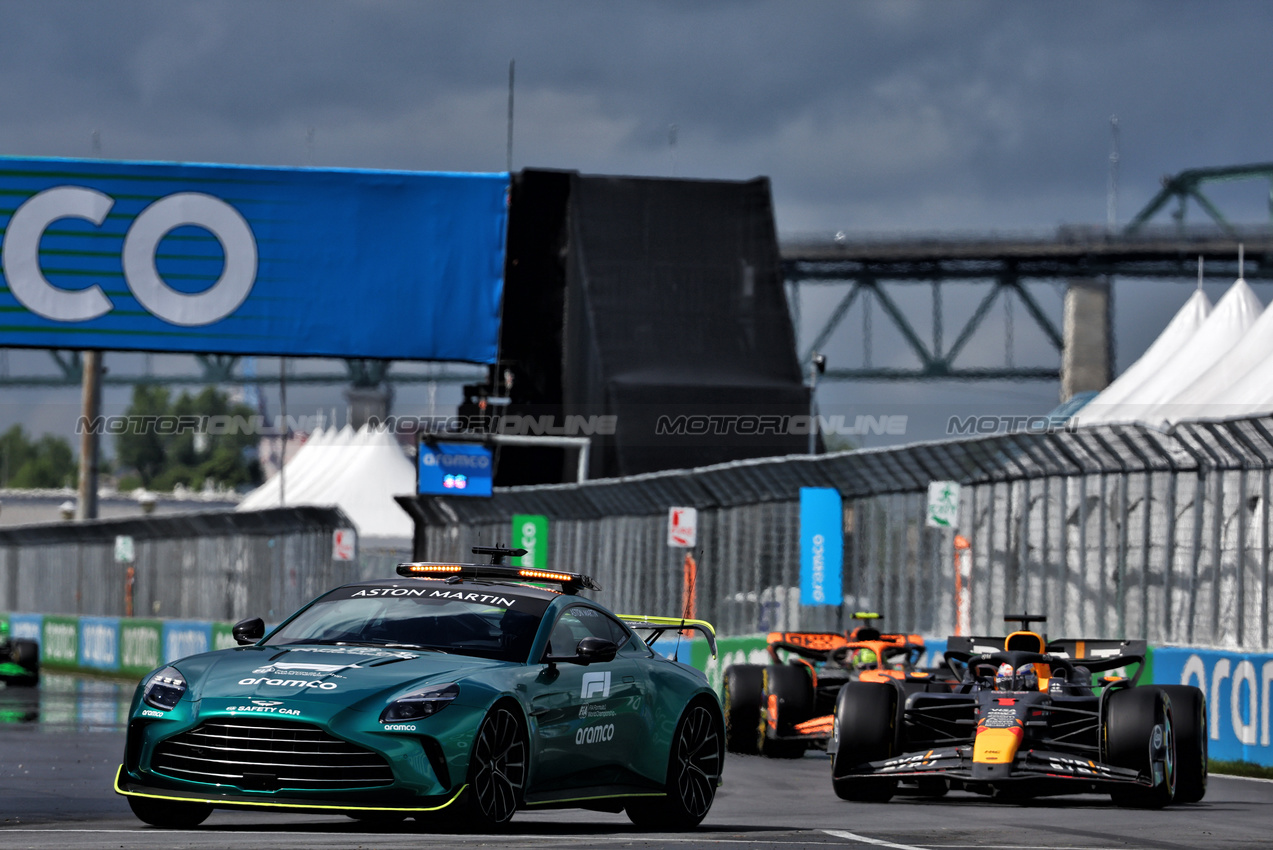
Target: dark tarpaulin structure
x: 643, y: 299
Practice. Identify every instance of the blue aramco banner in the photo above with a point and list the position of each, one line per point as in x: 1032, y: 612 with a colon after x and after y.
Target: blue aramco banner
x: 250, y: 260
x: 454, y: 469
x: 1237, y: 687
x: 821, y: 546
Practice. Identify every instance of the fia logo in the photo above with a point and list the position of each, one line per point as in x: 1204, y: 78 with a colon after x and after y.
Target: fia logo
x: 595, y: 685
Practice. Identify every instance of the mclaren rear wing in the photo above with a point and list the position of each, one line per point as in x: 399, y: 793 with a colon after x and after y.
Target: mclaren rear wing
x: 657, y: 626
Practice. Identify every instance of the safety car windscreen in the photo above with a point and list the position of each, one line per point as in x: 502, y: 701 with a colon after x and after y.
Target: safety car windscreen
x: 490, y: 622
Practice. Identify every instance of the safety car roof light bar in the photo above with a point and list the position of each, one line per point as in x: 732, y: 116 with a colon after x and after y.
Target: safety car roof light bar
x: 571, y: 583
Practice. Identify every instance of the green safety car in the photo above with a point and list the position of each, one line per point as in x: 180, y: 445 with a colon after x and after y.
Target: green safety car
x: 461, y: 690
x: 19, y: 659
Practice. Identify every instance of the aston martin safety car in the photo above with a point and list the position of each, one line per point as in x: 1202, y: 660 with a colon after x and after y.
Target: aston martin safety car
x: 19, y: 659
x: 784, y: 708
x: 1025, y: 719
x: 471, y: 690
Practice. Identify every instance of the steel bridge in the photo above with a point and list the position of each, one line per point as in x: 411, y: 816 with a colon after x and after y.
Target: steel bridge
x: 1075, y: 255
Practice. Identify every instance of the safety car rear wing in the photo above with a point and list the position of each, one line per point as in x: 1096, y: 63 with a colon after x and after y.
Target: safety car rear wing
x: 658, y: 626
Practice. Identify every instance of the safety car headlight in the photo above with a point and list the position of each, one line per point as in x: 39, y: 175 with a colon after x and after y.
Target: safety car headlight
x: 164, y: 689
x: 421, y: 703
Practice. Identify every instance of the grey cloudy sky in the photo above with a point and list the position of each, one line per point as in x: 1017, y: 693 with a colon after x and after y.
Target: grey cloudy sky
x: 866, y: 116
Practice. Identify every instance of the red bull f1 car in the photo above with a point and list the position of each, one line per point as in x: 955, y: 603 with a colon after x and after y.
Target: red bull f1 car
x: 1025, y: 719
x: 784, y: 708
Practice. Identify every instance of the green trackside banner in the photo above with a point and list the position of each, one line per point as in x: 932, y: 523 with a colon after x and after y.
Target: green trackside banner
x: 140, y: 645
x: 232, y: 259
x: 60, y: 641
x: 530, y: 532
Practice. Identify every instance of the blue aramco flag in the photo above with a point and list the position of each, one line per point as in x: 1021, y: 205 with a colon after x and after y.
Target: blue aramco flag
x: 821, y: 546
x: 249, y: 260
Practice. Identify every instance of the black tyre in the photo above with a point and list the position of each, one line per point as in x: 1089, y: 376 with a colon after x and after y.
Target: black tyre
x: 1189, y: 713
x: 26, y: 653
x: 693, y: 773
x: 497, y: 769
x: 786, y: 699
x: 1139, y: 734
x: 169, y: 814
x: 743, y: 685
x: 865, y: 730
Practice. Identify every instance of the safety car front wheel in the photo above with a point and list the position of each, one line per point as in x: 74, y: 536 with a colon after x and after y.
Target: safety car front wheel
x: 497, y: 770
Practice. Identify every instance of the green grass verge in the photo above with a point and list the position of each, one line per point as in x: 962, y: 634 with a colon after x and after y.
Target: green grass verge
x: 1240, y: 768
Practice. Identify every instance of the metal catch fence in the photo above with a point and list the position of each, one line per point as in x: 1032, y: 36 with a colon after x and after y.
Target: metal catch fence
x: 1120, y: 531
x: 215, y: 565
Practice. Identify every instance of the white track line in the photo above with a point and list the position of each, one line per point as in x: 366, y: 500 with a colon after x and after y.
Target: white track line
x: 862, y: 839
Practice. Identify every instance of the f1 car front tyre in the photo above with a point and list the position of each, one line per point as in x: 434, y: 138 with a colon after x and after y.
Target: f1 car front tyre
x: 786, y: 699
x: 169, y: 814
x: 743, y: 684
x: 693, y: 772
x: 865, y: 730
x: 1189, y: 711
x: 1139, y: 734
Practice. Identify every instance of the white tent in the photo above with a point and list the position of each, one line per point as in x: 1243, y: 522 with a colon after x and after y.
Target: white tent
x: 267, y: 495
x: 1179, y: 331
x: 358, y: 472
x: 1239, y: 384
x: 1235, y: 313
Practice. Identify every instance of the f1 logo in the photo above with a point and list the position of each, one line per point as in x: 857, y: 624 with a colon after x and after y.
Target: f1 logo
x: 595, y: 685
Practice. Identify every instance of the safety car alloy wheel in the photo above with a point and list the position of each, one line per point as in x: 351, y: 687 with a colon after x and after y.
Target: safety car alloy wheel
x: 497, y: 774
x: 694, y: 769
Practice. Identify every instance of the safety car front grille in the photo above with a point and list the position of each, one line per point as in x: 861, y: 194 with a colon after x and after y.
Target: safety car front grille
x: 267, y: 755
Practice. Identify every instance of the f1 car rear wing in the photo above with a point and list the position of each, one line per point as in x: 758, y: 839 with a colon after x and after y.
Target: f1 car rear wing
x: 657, y: 626
x: 1096, y: 655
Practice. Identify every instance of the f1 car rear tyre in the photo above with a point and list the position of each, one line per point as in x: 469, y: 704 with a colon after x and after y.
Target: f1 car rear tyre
x: 786, y: 699
x: 1189, y: 712
x: 865, y: 730
x: 26, y: 653
x: 693, y: 772
x: 743, y: 684
x: 169, y: 814
x: 1139, y: 734
x: 497, y: 769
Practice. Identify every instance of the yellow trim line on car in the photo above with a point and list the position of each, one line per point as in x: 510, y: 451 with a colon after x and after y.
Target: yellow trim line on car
x: 316, y: 806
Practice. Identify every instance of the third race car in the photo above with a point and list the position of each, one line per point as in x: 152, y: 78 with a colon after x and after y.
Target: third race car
x: 1025, y: 719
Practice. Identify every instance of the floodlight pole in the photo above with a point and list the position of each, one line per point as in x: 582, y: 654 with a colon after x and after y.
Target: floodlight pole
x: 817, y: 365
x: 91, y: 402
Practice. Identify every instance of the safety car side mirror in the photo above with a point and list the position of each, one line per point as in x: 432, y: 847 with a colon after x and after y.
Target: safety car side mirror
x: 248, y: 631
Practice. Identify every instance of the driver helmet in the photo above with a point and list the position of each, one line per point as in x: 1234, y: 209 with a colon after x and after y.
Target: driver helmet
x: 1003, y: 677
x: 865, y: 656
x: 1027, y: 678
